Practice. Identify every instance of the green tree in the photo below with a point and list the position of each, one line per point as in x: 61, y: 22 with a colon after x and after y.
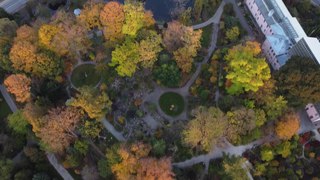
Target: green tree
x: 7, y: 28
x: 158, y: 147
x: 126, y: 58
x: 81, y: 146
x: 246, y: 71
x: 206, y: 129
x: 167, y: 74
x: 233, y: 167
x: 299, y: 81
x: 6, y: 167
x: 233, y: 34
x: 90, y: 128
x: 18, y: 122
x: 197, y: 9
x: 266, y: 153
x: 284, y: 149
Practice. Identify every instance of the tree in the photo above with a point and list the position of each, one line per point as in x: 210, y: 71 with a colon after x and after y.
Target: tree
x: 58, y: 133
x: 233, y: 167
x: 33, y: 113
x: 112, y: 18
x: 206, y: 129
x: 245, y: 71
x: 19, y: 85
x: 266, y: 153
x: 134, y: 18
x: 274, y: 106
x: 298, y: 81
x: 287, y: 126
x: 6, y: 167
x: 240, y: 122
x: 46, y: 34
x: 91, y: 129
x: 18, y: 122
x: 126, y: 58
x: 155, y: 169
x: 72, y: 39
x: 197, y: 9
x: 284, y: 149
x: 172, y: 36
x: 233, y: 34
x: 167, y: 74
x: 26, y: 56
x: 8, y: 28
x: 90, y: 15
x: 5, y: 46
x: 95, y: 103
x: 149, y: 48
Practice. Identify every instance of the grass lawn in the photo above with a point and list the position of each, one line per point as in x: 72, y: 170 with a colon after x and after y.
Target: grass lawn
x: 206, y: 36
x: 85, y: 75
x: 171, y: 103
x: 4, y: 108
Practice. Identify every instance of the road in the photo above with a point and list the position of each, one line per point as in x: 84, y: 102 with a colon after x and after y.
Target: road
x: 13, y: 6
x: 51, y: 157
x: 315, y: 2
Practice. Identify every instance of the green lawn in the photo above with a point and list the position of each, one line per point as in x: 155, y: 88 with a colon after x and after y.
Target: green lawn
x: 206, y: 36
x: 4, y: 108
x: 171, y: 103
x: 85, y: 75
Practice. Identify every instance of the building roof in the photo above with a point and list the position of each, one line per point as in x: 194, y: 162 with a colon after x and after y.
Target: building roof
x: 314, y: 46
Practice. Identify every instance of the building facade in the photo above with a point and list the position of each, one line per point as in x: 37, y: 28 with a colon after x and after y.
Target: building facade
x: 284, y: 36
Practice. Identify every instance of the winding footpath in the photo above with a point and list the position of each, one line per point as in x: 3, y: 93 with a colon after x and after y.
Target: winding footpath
x: 51, y: 157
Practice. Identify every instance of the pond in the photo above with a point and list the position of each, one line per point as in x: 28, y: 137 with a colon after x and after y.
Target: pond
x: 166, y: 10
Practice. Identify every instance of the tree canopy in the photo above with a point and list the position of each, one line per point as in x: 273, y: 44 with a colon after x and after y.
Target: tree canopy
x: 246, y: 71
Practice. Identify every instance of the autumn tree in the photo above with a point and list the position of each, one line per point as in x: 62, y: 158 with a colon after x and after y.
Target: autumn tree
x: 184, y: 42
x: 298, y: 81
x: 26, y: 56
x: 33, y: 113
x: 126, y: 58
x: 95, y: 103
x: 19, y: 85
x: 58, y: 133
x: 135, y: 18
x: 155, y: 169
x: 246, y: 71
x: 135, y: 164
x: 72, y: 39
x: 112, y: 18
x: 288, y: 125
x: 206, y: 129
x: 46, y: 34
x: 149, y: 48
x: 90, y: 15
x: 240, y: 122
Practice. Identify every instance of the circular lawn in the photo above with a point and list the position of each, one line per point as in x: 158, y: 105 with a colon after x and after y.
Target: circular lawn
x: 85, y: 75
x: 171, y: 103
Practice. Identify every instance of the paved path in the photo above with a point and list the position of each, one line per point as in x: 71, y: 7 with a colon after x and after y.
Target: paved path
x: 112, y: 130
x: 8, y: 99
x: 51, y: 157
x: 218, y: 153
x: 13, y: 6
x: 240, y: 16
x: 61, y: 170
x: 214, y: 19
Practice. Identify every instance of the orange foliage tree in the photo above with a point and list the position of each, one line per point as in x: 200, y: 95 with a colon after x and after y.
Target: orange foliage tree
x: 135, y: 164
x: 288, y: 125
x: 58, y: 133
x: 112, y: 18
x: 19, y: 85
x: 89, y: 15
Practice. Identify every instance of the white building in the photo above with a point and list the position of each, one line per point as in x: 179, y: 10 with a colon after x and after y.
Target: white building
x: 284, y: 36
x: 313, y: 114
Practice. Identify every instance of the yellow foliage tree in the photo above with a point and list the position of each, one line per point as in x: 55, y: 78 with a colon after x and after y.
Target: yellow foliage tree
x: 46, y: 34
x: 96, y: 104
x: 19, y: 85
x: 288, y: 126
x: 90, y: 15
x: 233, y: 33
x: 134, y: 18
x: 149, y: 48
